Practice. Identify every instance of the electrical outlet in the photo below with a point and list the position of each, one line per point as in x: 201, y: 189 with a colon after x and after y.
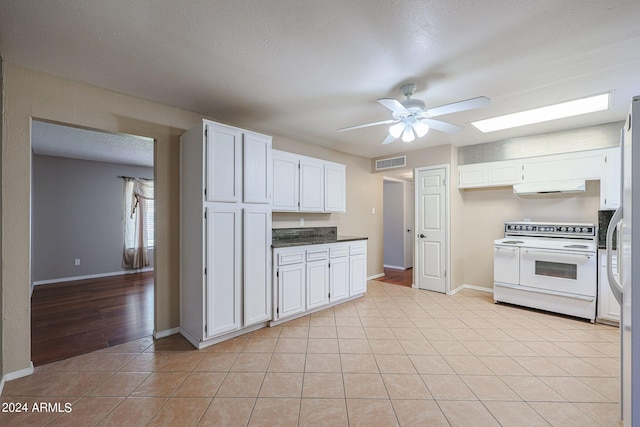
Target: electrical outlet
x: 301, y: 222
x: 77, y: 261
x: 373, y: 211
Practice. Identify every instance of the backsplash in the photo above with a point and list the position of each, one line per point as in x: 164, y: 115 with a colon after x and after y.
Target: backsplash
x: 304, y: 233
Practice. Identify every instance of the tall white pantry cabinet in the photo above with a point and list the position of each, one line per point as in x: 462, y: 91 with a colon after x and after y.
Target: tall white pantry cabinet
x: 225, y: 243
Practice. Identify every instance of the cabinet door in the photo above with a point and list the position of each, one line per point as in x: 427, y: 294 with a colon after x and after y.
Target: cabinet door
x: 223, y: 163
x: 222, y: 269
x: 257, y: 265
x: 338, y: 278
x: 257, y: 164
x: 471, y: 176
x: 335, y: 188
x: 311, y: 185
x: 286, y: 182
x: 291, y: 290
x: 357, y: 274
x: 317, y: 284
x: 611, y: 183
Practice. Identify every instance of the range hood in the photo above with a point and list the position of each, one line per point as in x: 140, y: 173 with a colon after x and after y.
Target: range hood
x: 550, y: 187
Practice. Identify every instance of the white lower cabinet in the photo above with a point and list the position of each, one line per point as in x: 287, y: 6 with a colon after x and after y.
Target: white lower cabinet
x: 222, y: 272
x: 338, y: 278
x: 291, y: 285
x: 308, y: 278
x: 357, y: 269
x: 317, y: 284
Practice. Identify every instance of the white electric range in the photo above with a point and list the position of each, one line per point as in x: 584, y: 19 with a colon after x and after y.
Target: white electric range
x: 548, y: 266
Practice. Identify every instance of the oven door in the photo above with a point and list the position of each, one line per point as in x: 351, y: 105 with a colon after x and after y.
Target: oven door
x: 570, y: 272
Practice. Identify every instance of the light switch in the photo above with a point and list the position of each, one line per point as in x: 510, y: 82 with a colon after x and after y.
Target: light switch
x: 373, y: 211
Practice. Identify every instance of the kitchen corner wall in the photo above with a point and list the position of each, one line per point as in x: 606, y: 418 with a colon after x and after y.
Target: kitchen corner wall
x: 486, y: 210
x: 364, y: 193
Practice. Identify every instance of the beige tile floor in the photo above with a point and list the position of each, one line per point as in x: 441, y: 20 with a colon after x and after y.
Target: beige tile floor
x: 397, y: 356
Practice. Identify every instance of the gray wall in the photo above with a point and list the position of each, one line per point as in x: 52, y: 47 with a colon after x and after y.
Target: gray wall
x: 77, y: 212
x: 393, y: 224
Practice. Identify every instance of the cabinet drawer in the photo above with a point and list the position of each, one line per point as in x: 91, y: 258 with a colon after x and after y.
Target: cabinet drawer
x: 317, y: 254
x: 357, y: 249
x: 290, y: 258
x: 339, y: 251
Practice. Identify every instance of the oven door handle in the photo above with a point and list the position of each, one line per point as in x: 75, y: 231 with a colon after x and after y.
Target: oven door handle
x: 614, y: 284
x: 563, y: 254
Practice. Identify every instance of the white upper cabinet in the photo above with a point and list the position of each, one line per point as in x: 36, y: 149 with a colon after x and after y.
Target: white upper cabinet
x: 238, y: 165
x: 286, y: 181
x: 311, y: 185
x: 257, y: 182
x: 491, y: 174
x: 306, y: 184
x: 610, y: 185
x: 223, y: 147
x: 335, y: 184
x: 580, y: 165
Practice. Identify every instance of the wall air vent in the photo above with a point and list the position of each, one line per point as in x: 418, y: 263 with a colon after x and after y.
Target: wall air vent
x: 390, y: 163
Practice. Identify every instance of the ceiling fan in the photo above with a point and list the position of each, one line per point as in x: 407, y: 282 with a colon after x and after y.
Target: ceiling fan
x: 411, y: 117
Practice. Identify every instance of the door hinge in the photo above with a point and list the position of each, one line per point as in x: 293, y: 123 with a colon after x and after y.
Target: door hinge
x: 445, y: 273
x: 329, y: 265
x: 277, y: 310
x: 205, y: 271
x: 444, y: 181
x: 205, y: 328
x: 205, y: 214
x: 277, y: 273
x: 298, y: 204
x: 329, y: 295
x: 205, y: 192
x: 206, y: 131
x: 298, y: 165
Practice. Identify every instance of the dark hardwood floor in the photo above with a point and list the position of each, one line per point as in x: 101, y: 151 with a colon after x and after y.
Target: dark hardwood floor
x: 398, y: 277
x: 73, y: 318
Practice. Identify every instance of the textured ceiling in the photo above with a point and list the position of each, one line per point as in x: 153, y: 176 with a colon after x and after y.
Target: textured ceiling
x: 304, y: 68
x: 50, y: 139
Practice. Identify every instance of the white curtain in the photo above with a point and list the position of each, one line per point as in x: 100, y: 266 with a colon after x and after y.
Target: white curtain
x: 137, y: 194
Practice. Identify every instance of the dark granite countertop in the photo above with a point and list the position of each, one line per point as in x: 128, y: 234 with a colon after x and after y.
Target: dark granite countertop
x: 289, y: 237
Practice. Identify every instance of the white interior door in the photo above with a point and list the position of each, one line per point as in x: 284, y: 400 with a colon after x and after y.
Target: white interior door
x: 431, y: 228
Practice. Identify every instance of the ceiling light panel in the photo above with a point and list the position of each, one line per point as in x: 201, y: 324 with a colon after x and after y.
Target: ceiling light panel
x: 544, y: 114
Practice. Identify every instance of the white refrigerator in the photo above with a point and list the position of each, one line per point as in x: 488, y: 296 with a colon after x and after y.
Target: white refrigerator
x: 626, y: 285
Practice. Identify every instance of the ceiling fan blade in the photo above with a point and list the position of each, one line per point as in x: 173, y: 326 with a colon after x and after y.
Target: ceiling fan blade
x: 384, y: 122
x: 394, y: 105
x: 442, y: 126
x: 389, y: 139
x: 469, y: 104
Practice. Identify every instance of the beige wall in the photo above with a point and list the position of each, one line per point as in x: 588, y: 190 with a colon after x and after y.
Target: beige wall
x: 364, y: 192
x: 486, y: 210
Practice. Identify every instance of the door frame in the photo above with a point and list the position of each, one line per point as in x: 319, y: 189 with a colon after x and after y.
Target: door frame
x: 417, y: 267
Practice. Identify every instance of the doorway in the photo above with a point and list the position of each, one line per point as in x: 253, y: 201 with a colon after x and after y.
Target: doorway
x: 81, y: 296
x: 398, y: 222
x: 432, y: 228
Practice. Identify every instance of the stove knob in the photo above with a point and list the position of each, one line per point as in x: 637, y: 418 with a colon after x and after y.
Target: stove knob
x: 585, y: 229
x: 518, y: 227
x: 570, y: 229
x: 529, y: 227
x: 563, y: 228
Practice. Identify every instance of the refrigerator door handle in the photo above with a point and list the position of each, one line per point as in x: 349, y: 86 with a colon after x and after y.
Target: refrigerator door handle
x: 614, y: 284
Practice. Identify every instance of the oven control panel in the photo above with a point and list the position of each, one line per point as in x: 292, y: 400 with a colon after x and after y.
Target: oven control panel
x: 549, y: 229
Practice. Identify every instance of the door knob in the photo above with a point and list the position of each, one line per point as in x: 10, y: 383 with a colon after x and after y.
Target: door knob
x: 408, y: 231
x: 422, y: 236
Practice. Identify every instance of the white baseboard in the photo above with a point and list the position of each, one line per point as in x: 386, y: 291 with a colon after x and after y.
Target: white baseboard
x: 375, y: 276
x: 15, y: 375
x: 472, y: 287
x: 91, y: 276
x: 393, y: 267
x: 167, y: 332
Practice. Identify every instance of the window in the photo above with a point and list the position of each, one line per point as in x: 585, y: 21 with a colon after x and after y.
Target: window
x: 141, y: 186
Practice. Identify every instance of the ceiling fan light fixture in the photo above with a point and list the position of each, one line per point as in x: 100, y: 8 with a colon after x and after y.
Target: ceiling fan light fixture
x: 396, y: 130
x: 420, y: 128
x: 408, y: 135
